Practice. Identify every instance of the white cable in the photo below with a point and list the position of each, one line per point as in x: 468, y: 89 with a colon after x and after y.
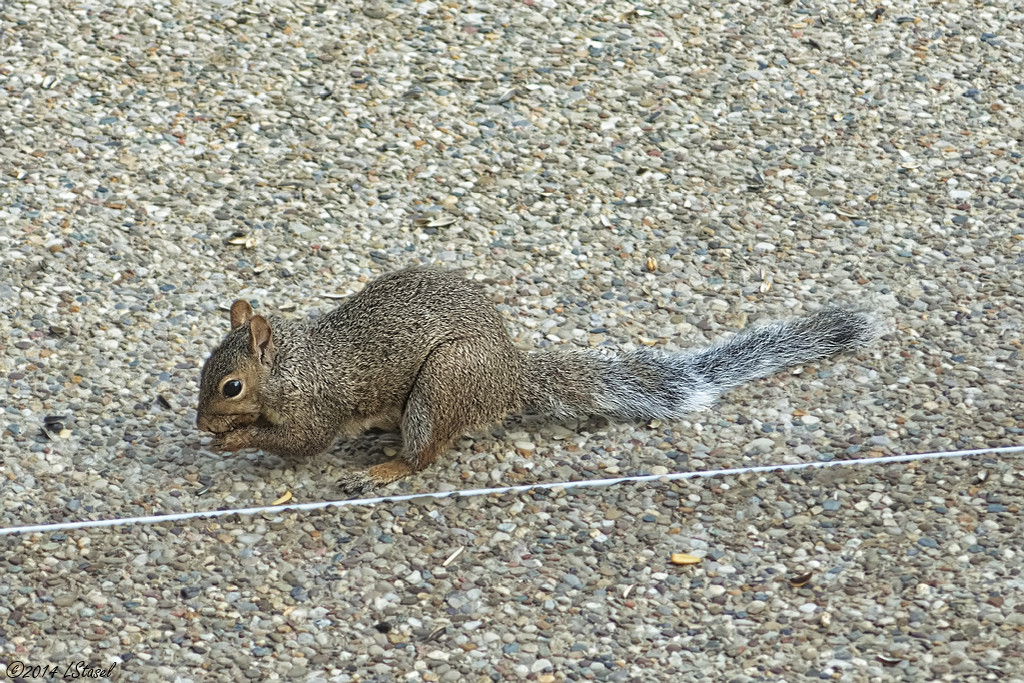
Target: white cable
x: 586, y: 483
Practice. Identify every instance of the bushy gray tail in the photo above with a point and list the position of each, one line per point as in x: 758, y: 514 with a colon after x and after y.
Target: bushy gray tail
x: 646, y: 384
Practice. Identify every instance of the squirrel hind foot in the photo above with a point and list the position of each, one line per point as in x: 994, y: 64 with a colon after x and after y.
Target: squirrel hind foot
x: 361, y: 481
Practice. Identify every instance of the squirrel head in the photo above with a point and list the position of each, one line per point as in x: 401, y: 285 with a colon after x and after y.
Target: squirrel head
x: 229, y: 385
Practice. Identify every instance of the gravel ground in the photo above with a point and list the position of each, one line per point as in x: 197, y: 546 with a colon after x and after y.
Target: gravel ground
x: 905, y: 573
x: 615, y: 175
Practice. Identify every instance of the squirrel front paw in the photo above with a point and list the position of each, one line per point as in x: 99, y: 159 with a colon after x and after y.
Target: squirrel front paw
x: 235, y: 440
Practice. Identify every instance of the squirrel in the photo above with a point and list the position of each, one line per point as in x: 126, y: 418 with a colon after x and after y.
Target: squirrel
x: 422, y: 351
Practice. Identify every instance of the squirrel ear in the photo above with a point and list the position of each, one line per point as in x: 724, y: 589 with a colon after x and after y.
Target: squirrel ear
x: 261, y: 339
x: 241, y: 313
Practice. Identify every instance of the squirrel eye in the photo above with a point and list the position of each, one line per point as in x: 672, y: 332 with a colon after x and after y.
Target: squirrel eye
x: 232, y: 388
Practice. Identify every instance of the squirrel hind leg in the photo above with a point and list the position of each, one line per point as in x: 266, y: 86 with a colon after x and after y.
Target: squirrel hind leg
x: 463, y: 384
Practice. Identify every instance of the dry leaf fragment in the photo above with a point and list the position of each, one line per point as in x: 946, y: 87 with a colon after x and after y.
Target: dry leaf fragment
x: 801, y: 579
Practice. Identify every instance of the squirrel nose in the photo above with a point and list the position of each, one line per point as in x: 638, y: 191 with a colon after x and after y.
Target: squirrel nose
x: 203, y: 423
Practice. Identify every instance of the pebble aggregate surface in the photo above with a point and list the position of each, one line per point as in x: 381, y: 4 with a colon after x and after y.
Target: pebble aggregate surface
x: 614, y: 174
